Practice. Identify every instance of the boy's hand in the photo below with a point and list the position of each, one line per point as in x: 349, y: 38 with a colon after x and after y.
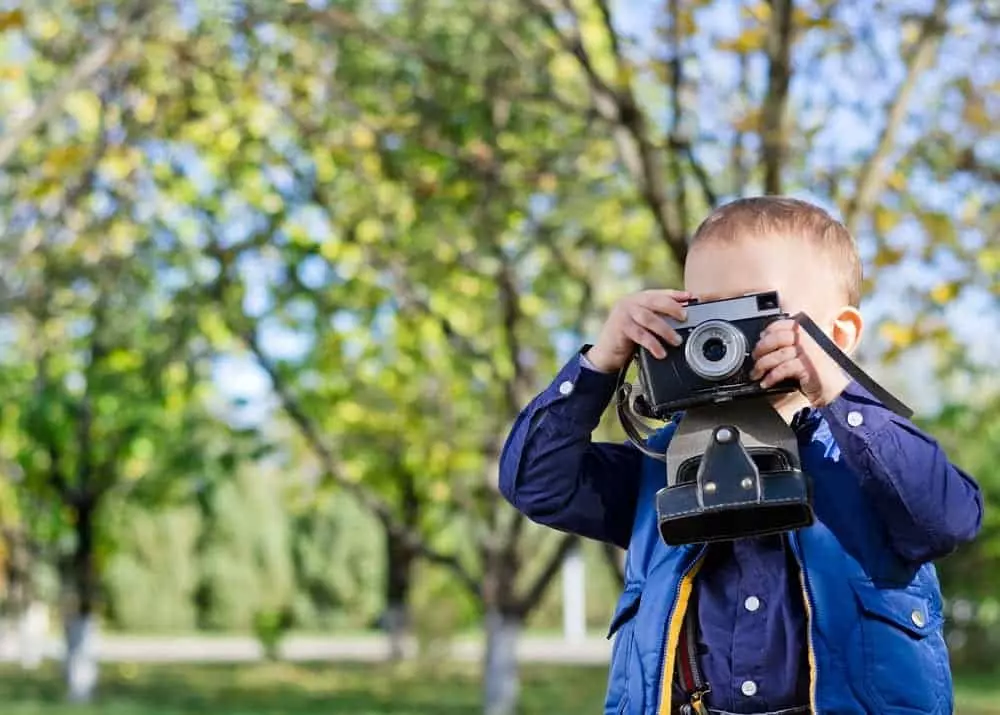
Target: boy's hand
x: 638, y: 319
x: 786, y: 352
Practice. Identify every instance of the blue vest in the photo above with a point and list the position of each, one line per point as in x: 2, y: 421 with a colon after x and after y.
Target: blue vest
x: 875, y: 624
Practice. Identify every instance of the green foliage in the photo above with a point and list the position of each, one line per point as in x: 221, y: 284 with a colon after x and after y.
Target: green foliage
x: 338, y: 557
x: 152, y: 578
x: 243, y: 553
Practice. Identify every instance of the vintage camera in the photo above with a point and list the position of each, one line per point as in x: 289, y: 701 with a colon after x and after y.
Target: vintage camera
x: 714, y: 364
x: 732, y: 466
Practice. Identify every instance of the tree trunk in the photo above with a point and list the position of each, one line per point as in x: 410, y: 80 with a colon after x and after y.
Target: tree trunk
x: 399, y: 576
x: 503, y: 619
x: 616, y: 562
x: 31, y: 627
x: 501, y: 683
x: 80, y: 628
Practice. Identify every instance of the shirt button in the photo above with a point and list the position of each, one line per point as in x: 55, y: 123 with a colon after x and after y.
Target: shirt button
x: 918, y: 619
x: 749, y: 688
x: 854, y: 418
x: 752, y: 603
x: 566, y: 388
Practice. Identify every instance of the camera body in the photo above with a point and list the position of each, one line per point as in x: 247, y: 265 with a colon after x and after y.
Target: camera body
x: 713, y: 364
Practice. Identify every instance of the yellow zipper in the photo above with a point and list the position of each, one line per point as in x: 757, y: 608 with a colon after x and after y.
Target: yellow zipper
x: 674, y: 632
x: 809, y: 641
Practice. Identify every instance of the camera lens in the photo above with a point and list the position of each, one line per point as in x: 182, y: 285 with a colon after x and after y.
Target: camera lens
x: 715, y: 350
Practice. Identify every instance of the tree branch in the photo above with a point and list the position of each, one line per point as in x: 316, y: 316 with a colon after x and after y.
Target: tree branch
x: 642, y: 158
x: 873, y: 174
x: 779, y: 73
x: 333, y: 471
x: 536, y: 591
x: 88, y: 66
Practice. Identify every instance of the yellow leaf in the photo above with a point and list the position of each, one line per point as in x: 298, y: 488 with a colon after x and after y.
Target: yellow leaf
x: 531, y: 305
x: 228, y: 141
x: 898, y: 336
x: 887, y: 256
x: 272, y: 203
x: 564, y: 67
x: 145, y: 109
x: 362, y: 137
x: 8, y: 74
x: 85, y: 107
x: 750, y: 40
x: 989, y: 261
x: 122, y: 360
x: 468, y: 286
x: 117, y: 165
x: 11, y: 20
x: 944, y: 293
x: 351, y: 412
x: 896, y: 181
x: 975, y: 113
x: 885, y: 220
x: 440, y: 491
x: 369, y: 231
x: 61, y: 159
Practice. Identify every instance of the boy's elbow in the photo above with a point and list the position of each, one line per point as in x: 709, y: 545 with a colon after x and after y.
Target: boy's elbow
x: 951, y: 533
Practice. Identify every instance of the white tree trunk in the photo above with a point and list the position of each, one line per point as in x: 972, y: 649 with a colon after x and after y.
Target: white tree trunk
x: 500, y: 677
x: 396, y: 626
x: 32, y: 626
x: 574, y: 597
x: 81, y: 658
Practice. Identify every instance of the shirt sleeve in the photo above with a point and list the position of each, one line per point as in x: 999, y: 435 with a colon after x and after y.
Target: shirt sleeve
x: 929, y: 506
x: 553, y: 472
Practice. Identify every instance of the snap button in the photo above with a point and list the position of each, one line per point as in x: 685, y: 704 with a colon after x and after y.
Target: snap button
x: 566, y: 388
x: 855, y: 419
x: 918, y: 618
x: 752, y: 603
x: 749, y: 688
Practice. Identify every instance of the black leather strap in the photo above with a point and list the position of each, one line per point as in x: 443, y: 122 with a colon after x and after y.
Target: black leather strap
x: 851, y: 367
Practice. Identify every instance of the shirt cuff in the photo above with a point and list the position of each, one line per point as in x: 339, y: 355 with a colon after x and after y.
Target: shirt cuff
x: 585, y: 361
x: 580, y: 394
x: 856, y: 415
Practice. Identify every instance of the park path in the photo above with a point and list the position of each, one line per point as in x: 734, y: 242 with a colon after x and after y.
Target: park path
x: 165, y: 649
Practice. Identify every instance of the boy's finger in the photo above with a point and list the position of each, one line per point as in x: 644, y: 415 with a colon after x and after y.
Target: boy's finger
x: 772, y: 360
x: 771, y: 341
x: 655, y: 324
x: 640, y: 336
x: 665, y: 302
x: 784, y: 371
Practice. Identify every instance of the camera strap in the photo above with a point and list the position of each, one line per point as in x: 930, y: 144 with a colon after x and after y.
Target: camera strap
x: 851, y: 368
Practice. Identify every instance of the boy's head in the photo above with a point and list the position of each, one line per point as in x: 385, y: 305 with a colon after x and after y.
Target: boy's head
x: 788, y: 245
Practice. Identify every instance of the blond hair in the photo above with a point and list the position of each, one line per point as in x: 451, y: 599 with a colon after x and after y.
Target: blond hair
x: 773, y: 216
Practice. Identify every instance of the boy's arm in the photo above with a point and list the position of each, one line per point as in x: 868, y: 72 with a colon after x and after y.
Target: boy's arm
x: 552, y: 472
x: 929, y: 505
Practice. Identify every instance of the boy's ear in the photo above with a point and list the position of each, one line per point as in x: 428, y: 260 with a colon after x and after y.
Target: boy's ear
x: 847, y: 328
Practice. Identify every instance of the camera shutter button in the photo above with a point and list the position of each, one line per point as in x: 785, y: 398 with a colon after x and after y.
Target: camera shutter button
x: 855, y: 418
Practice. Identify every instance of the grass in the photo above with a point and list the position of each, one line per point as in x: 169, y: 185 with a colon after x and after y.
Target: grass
x: 337, y: 689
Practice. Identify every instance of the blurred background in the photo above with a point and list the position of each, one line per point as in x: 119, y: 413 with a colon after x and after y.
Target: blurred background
x: 277, y: 276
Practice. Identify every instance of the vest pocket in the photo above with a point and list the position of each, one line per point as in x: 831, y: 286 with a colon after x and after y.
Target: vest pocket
x: 622, y: 630
x: 904, y: 653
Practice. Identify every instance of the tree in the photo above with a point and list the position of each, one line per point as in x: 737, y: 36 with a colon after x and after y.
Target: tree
x: 106, y: 381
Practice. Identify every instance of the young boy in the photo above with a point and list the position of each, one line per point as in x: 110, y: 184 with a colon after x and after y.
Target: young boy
x: 842, y: 617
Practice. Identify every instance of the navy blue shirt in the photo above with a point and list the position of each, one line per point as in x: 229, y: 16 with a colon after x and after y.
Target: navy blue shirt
x: 751, y: 615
